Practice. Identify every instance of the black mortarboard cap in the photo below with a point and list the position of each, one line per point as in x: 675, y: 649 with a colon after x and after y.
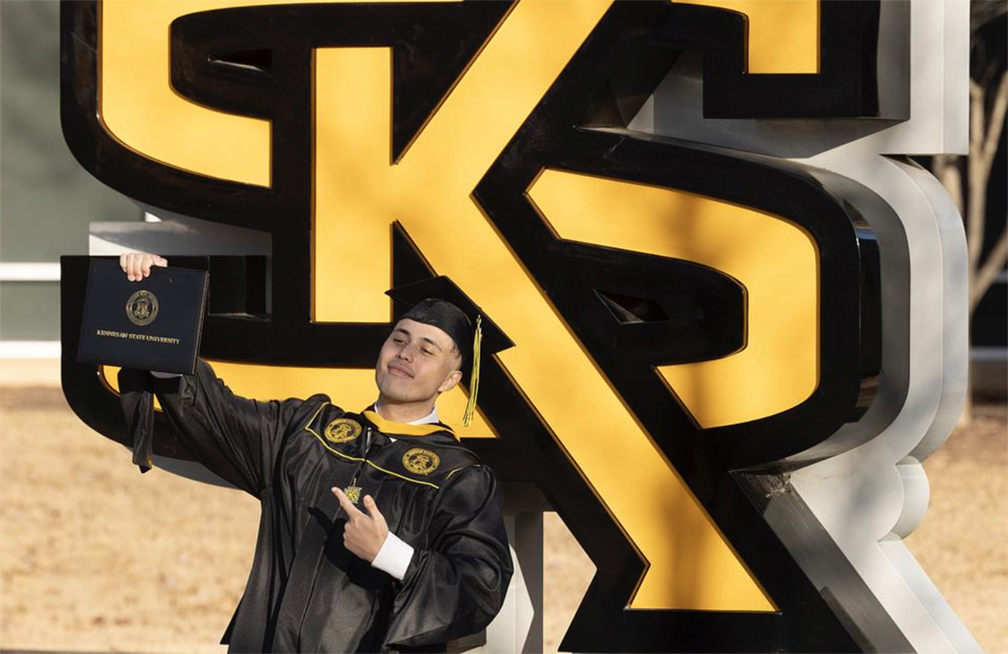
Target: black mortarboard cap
x: 411, y: 296
x: 438, y: 301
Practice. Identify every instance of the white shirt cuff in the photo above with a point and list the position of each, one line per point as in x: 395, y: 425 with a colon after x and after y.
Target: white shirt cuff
x: 393, y: 557
x: 164, y: 375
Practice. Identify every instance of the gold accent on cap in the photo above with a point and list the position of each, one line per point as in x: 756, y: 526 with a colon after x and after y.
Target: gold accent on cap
x: 467, y: 417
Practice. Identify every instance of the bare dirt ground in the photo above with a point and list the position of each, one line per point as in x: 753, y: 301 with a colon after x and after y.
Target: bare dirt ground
x: 97, y: 557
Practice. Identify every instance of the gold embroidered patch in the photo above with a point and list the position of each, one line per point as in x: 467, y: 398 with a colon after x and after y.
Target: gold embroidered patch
x: 421, y: 461
x: 342, y: 430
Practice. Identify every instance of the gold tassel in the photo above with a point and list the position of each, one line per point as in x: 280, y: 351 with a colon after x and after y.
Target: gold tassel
x: 474, y: 378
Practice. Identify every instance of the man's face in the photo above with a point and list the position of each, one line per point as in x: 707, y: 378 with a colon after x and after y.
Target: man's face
x: 416, y: 363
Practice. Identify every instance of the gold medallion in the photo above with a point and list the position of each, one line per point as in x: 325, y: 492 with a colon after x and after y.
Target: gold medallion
x: 342, y: 430
x: 353, y: 493
x: 421, y: 461
x: 142, y: 308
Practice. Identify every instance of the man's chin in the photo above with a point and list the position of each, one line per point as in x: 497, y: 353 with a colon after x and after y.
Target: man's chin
x: 398, y: 390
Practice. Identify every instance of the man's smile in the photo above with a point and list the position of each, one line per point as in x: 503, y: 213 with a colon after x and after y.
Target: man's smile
x: 398, y: 369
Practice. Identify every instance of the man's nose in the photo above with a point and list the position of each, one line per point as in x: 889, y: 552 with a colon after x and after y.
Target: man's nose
x: 405, y: 353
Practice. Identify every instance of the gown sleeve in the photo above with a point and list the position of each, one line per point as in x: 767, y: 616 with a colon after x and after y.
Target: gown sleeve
x: 456, y: 583
x: 236, y: 438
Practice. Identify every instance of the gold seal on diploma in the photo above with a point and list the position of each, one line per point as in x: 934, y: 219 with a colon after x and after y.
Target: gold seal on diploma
x: 142, y: 308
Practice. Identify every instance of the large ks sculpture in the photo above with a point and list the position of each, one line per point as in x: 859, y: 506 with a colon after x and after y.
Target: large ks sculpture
x: 738, y: 308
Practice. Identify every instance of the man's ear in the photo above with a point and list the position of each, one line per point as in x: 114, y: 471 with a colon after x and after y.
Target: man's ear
x: 450, y: 382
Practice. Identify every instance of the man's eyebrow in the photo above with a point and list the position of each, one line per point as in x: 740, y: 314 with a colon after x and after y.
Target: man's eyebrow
x: 432, y: 342
x: 422, y: 338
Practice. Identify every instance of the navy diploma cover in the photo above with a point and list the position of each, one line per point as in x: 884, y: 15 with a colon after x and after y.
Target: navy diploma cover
x: 153, y: 324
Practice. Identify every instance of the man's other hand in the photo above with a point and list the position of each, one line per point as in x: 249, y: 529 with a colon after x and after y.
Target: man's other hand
x: 364, y: 533
x: 137, y: 265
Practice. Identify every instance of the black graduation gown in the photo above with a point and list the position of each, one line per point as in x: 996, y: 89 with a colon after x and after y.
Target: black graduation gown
x: 306, y: 592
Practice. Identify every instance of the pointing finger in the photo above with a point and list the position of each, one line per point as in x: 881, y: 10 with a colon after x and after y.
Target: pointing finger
x: 348, y: 507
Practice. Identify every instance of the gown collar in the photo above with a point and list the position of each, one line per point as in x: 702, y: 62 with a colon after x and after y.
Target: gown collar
x: 427, y: 419
x: 423, y: 427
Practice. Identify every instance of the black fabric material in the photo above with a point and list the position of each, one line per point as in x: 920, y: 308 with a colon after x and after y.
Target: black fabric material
x: 137, y: 398
x: 305, y: 591
x: 445, y: 316
x: 440, y: 302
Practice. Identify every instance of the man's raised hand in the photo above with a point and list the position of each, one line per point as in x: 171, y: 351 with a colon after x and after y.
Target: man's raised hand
x: 364, y: 533
x: 137, y: 265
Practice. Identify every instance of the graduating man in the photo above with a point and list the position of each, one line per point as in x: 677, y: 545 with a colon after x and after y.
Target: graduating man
x: 379, y: 530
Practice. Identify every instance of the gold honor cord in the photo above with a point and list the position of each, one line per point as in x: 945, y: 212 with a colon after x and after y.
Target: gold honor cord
x: 474, y: 377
